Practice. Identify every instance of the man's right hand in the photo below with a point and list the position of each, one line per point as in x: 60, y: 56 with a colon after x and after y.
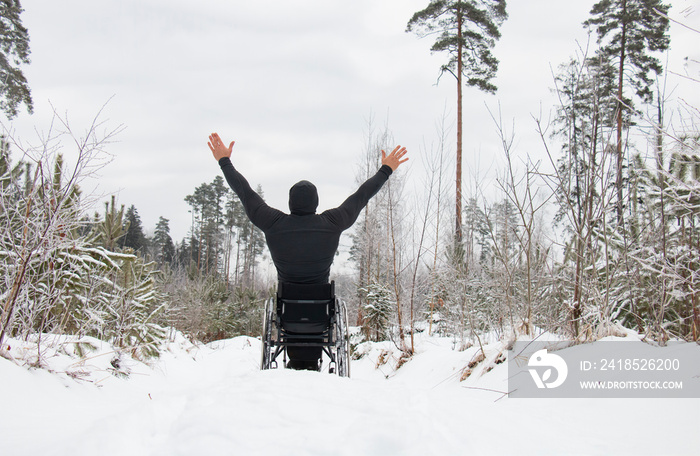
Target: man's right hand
x: 217, y: 147
x: 394, y: 159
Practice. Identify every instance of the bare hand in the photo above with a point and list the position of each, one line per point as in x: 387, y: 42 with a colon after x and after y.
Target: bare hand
x: 394, y: 159
x: 217, y: 147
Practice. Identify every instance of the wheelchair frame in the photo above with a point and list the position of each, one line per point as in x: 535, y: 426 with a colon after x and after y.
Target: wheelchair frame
x: 334, y: 339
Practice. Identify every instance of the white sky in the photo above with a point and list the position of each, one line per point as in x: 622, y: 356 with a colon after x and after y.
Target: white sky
x: 292, y: 82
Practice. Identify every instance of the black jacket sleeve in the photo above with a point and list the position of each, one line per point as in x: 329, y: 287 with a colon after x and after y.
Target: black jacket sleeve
x: 262, y: 215
x: 345, y: 215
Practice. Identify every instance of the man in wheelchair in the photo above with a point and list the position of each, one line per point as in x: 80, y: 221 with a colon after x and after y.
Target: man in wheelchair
x: 303, y: 243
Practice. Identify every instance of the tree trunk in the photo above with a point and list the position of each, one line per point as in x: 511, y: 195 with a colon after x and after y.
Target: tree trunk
x: 620, y: 81
x: 394, y: 268
x: 458, y: 181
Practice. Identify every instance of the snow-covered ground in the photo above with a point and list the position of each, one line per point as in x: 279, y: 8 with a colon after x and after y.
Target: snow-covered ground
x: 213, y: 400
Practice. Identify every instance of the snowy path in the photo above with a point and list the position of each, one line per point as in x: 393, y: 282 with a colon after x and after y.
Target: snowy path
x: 221, y: 404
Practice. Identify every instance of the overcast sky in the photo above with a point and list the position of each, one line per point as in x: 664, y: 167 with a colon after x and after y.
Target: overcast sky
x: 292, y: 82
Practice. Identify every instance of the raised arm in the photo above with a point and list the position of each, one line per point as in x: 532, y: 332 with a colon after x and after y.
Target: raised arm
x: 262, y: 215
x: 346, y: 214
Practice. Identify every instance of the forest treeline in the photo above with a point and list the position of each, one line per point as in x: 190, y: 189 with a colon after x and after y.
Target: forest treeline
x: 602, y: 234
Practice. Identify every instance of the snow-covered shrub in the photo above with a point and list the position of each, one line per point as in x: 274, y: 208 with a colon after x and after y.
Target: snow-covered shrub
x: 376, y: 311
x: 55, y: 278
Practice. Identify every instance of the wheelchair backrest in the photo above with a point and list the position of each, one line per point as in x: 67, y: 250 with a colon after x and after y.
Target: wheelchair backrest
x: 305, y: 309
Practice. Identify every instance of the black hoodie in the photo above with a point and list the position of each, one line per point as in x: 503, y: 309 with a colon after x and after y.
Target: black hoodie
x: 303, y: 243
x: 303, y: 198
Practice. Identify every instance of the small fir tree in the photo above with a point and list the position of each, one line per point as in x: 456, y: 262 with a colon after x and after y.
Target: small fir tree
x: 376, y: 311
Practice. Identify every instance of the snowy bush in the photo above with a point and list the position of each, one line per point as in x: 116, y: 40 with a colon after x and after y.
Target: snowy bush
x: 56, y: 278
x: 376, y: 311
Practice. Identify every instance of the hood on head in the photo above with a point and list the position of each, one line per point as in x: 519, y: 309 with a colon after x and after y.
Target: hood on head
x: 303, y: 198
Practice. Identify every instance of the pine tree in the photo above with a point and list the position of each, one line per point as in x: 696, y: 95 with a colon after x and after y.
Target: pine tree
x: 134, y: 237
x: 475, y: 232
x: 629, y: 31
x: 377, y: 309
x: 467, y: 31
x: 10, y: 175
x: 207, y: 203
x: 683, y: 195
x: 14, y: 51
x: 252, y: 245
x: 163, y: 243
x: 585, y: 103
x: 135, y: 302
x: 215, y: 223
x: 113, y: 227
x: 234, y: 218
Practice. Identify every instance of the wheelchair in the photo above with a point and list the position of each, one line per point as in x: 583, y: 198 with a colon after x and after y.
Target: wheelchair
x: 306, y: 319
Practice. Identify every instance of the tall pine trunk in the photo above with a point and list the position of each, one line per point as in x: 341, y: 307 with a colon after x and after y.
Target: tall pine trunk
x: 620, y: 82
x: 458, y: 180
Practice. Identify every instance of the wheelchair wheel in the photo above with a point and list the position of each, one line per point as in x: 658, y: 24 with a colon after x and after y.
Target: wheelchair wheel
x: 268, y: 318
x: 342, y: 340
